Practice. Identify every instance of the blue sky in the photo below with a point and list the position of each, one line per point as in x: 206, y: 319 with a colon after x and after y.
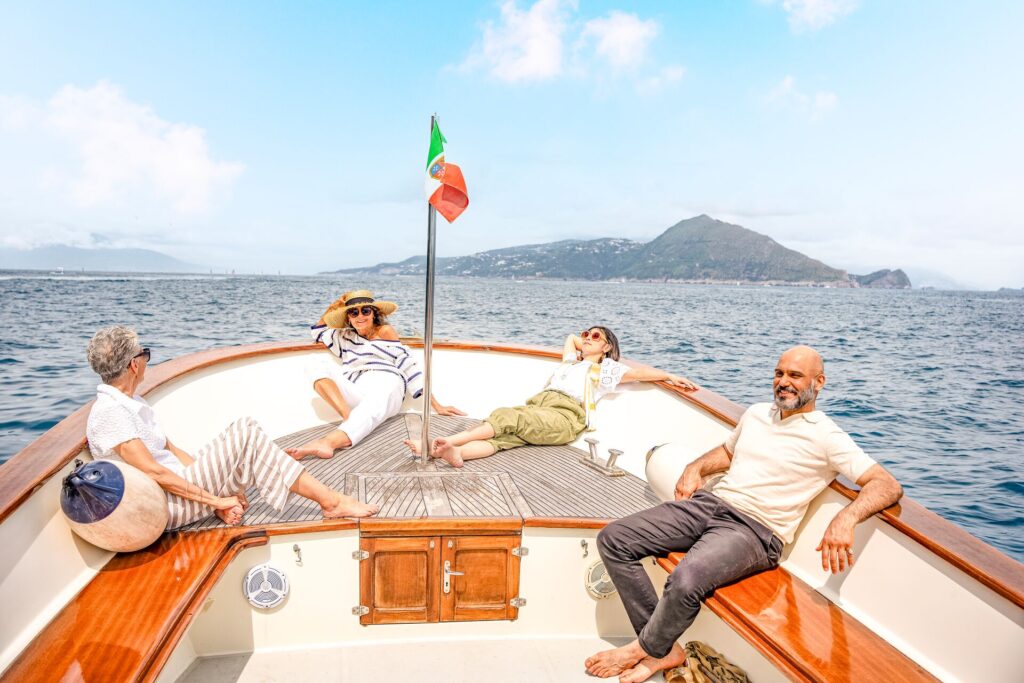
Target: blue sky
x: 292, y: 136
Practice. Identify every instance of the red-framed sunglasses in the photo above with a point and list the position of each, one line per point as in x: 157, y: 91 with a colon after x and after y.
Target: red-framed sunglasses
x: 592, y: 334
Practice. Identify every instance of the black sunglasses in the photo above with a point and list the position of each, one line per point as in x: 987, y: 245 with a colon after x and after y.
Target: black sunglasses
x: 144, y: 352
x: 365, y: 310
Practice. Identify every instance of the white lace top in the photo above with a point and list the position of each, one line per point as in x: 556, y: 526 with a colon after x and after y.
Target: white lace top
x: 115, y: 418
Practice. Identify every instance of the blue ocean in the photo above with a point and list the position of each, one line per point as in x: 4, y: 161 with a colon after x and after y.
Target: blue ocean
x: 930, y: 383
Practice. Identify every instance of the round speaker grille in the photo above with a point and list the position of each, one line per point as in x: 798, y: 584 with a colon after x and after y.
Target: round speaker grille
x: 597, y: 581
x: 265, y: 586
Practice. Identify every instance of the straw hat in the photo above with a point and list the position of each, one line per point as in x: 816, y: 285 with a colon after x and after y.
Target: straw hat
x: 336, y: 314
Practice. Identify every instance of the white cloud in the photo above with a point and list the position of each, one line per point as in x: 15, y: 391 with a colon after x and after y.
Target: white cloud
x: 17, y: 113
x: 531, y: 45
x: 811, y: 15
x: 525, y: 45
x: 667, y: 75
x: 786, y: 95
x: 123, y: 147
x: 622, y: 39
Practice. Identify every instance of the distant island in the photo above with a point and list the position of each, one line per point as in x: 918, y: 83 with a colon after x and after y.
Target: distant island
x: 64, y: 258
x: 697, y: 250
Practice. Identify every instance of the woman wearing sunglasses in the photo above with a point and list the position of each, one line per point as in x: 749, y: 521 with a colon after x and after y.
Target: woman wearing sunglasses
x: 122, y: 426
x: 589, y: 371
x: 374, y: 376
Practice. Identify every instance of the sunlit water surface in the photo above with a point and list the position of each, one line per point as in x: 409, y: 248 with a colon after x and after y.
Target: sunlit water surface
x: 930, y: 383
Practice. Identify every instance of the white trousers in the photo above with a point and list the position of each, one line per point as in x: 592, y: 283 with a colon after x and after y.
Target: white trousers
x: 375, y: 397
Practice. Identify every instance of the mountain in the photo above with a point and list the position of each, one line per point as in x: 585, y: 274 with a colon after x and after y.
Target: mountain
x: 699, y: 249
x: 568, y: 259
x: 703, y: 248
x: 76, y: 258
x: 884, y: 279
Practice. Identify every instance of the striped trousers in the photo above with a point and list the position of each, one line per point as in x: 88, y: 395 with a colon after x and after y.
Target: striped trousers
x: 239, y: 457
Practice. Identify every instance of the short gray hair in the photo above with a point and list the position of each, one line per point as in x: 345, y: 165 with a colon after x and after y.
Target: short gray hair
x: 111, y: 350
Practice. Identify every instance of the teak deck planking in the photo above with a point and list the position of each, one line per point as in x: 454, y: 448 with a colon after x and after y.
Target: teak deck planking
x: 526, y: 483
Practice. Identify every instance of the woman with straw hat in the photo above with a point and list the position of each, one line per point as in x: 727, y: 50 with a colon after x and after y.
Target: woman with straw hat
x: 589, y: 371
x: 375, y: 374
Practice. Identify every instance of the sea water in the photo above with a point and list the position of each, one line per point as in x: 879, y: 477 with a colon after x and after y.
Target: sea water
x: 930, y: 383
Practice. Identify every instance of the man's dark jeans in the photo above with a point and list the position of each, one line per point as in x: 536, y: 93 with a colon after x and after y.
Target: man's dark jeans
x: 721, y: 544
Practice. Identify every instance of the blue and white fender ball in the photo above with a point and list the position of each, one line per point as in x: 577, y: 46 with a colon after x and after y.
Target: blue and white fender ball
x: 113, y: 505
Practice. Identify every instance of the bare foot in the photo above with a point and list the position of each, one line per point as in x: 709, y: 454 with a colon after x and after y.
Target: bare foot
x: 613, y: 662
x: 321, y: 448
x: 444, y: 450
x: 348, y: 506
x: 414, y: 446
x: 648, y: 666
x: 232, y: 516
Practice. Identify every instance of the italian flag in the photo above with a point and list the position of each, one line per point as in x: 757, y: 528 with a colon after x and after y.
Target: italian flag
x: 445, y: 186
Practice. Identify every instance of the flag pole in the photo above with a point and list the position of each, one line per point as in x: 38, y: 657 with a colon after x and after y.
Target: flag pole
x: 428, y: 325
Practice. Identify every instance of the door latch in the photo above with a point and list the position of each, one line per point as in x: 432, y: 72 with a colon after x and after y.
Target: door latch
x: 448, y: 573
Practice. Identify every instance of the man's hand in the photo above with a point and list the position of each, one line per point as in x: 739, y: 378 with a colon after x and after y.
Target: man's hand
x: 837, y: 544
x: 689, y: 482
x: 878, y: 490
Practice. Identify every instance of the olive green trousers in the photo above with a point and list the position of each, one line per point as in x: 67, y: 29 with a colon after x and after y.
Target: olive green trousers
x: 548, y: 419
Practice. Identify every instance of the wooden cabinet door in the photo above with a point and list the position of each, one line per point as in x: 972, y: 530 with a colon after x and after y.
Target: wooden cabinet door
x: 489, y: 580
x: 399, y: 582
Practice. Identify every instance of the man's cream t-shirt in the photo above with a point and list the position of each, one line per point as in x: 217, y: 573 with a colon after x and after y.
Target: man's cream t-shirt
x: 779, y: 466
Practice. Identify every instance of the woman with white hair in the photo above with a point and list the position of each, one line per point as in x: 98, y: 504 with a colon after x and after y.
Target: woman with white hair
x: 122, y: 426
x: 371, y: 376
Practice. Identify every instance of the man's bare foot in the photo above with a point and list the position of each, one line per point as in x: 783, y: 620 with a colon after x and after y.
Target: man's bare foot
x: 321, y: 448
x: 613, y: 662
x: 648, y: 666
x: 444, y: 450
x: 347, y: 506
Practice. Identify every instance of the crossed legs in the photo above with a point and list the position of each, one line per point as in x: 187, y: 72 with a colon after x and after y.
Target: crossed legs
x: 455, y: 449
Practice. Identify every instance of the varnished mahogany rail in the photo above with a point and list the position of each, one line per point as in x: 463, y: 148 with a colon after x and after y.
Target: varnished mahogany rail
x: 803, y: 634
x: 124, y: 625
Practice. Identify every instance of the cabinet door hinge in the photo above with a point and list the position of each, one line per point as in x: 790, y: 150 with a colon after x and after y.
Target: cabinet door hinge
x: 521, y: 551
x: 361, y: 555
x: 517, y: 602
x: 360, y: 610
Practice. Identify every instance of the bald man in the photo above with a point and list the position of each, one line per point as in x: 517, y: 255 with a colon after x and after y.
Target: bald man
x: 778, y: 459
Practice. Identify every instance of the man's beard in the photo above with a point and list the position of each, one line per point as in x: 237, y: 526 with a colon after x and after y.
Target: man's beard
x: 790, y: 402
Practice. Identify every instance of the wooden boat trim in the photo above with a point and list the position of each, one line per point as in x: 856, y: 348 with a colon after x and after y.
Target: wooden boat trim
x: 372, y: 527
x: 566, y: 522
x: 740, y: 606
x: 59, y: 646
x: 45, y: 456
x: 286, y: 528
x: 166, y: 645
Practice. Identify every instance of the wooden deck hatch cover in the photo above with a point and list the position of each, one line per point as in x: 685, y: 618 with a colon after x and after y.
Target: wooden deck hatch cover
x: 426, y: 579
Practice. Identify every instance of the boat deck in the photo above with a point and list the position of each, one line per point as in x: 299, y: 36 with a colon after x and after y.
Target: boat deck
x: 513, y: 660
x: 545, y: 482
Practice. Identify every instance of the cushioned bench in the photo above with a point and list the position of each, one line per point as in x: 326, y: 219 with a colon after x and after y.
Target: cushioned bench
x: 805, y: 635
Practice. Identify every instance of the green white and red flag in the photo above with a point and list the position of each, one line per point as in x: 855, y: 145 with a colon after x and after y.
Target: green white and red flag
x: 445, y: 186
